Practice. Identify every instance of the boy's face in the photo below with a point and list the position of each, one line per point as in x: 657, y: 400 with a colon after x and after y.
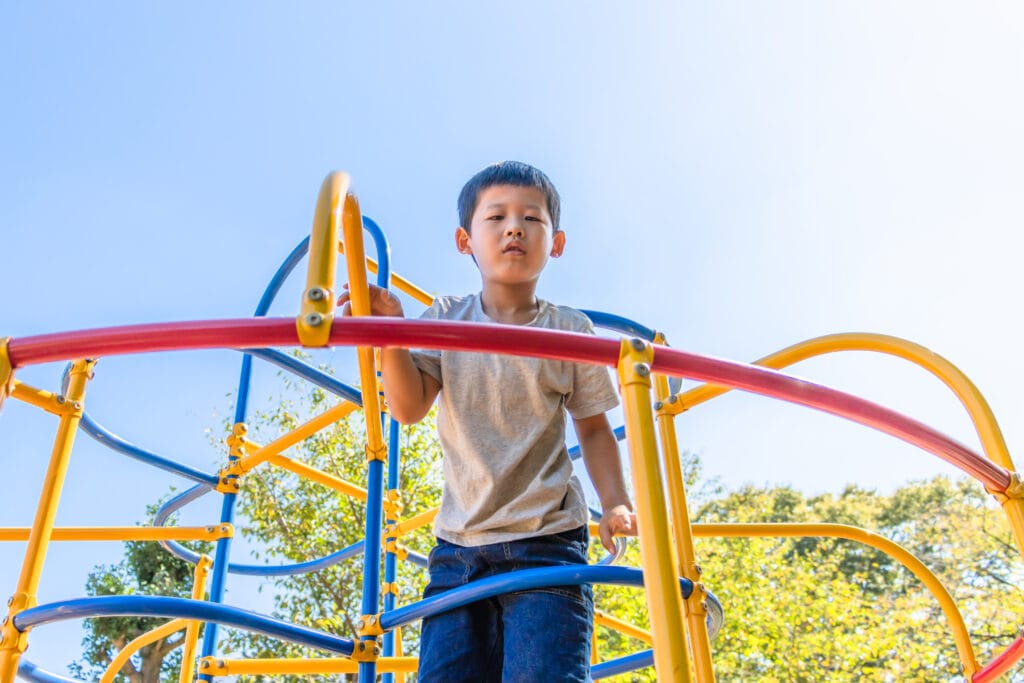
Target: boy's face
x: 510, y: 235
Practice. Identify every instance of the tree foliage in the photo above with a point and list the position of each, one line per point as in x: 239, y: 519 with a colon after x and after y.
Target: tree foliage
x: 147, y: 569
x: 802, y: 609
x: 292, y: 519
x: 814, y: 609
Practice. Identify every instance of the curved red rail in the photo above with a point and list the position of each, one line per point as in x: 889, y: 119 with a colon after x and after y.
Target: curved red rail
x: 522, y: 341
x: 1001, y: 664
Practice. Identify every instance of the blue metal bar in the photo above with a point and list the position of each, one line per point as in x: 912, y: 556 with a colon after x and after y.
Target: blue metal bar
x: 623, y: 665
x: 179, y: 608
x: 116, y: 443
x: 269, y: 294
x: 526, y: 579
x: 220, y: 566
x: 575, y: 452
x: 610, y: 321
x: 371, y: 559
x: 308, y: 372
x: 390, y: 560
x: 30, y: 672
x: 617, y: 323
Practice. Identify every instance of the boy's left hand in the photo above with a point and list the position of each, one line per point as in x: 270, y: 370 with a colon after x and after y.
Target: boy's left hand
x: 616, y: 521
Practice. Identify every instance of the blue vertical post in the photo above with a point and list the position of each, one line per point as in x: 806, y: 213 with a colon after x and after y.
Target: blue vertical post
x: 374, y: 478
x: 227, y: 512
x: 390, y: 559
x: 371, y: 554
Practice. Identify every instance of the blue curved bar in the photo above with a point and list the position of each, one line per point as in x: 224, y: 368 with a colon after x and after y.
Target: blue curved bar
x: 30, y: 672
x: 179, y: 608
x: 308, y: 372
x: 610, y: 321
x: 380, y: 243
x: 623, y: 665
x: 116, y: 443
x: 525, y: 579
x: 620, y: 435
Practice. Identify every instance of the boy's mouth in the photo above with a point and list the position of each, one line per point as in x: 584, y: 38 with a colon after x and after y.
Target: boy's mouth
x: 514, y: 248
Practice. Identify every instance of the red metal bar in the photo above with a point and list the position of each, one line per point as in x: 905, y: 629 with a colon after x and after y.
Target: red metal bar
x: 1001, y: 664
x: 522, y: 341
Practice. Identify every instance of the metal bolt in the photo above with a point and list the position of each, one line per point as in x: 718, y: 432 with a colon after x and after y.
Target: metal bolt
x: 697, y: 568
x: 642, y: 370
x: 314, y: 319
x: 204, y: 664
x: 658, y: 405
x: 316, y: 294
x: 78, y: 405
x: 61, y: 399
x: 373, y: 620
x: 704, y: 604
x: 638, y: 344
x: 4, y: 622
x: 673, y: 398
x: 10, y: 601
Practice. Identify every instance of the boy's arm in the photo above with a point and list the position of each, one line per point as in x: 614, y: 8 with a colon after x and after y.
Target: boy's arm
x: 601, y: 457
x: 409, y: 391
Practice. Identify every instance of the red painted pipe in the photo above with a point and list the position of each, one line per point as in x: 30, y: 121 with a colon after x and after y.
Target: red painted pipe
x: 1001, y: 664
x: 516, y: 340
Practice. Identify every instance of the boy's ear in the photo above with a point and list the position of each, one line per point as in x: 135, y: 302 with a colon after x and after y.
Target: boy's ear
x: 557, y: 244
x: 462, y: 241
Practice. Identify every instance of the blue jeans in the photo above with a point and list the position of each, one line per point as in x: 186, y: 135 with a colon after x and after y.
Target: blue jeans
x: 528, y: 636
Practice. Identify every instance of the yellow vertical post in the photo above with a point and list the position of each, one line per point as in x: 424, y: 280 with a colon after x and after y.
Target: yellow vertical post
x: 188, y: 657
x: 317, y: 310
x: 6, y: 371
x: 355, y: 262
x: 13, y: 643
x: 664, y: 599
x: 696, y: 605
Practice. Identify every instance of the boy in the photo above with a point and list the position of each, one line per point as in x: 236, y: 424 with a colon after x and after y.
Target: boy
x: 510, y: 500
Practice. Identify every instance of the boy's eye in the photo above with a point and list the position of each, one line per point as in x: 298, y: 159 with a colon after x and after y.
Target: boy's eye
x: 533, y: 218
x: 496, y: 217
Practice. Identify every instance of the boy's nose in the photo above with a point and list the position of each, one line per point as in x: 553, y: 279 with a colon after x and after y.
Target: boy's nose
x: 514, y: 231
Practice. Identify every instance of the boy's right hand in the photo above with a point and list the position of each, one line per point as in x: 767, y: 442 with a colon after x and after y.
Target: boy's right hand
x: 382, y: 302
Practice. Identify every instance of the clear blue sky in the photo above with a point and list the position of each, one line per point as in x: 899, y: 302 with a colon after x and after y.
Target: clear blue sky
x: 741, y: 175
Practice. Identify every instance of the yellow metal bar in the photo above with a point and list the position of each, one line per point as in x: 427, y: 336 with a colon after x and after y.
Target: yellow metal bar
x: 317, y: 311
x: 992, y: 441
x: 6, y: 371
x: 319, y: 476
x: 664, y: 599
x: 981, y: 414
x: 624, y: 627
x: 414, y: 522
x: 142, y: 641
x: 188, y: 656
x: 48, y: 401
x: 890, y: 548
x: 696, y: 604
x: 125, y: 533
x: 399, y: 282
x: 210, y: 666
x: 352, y: 226
x: 300, y: 433
x: 13, y: 643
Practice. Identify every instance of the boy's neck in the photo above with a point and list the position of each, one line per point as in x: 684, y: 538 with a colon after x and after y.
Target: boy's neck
x: 511, y: 305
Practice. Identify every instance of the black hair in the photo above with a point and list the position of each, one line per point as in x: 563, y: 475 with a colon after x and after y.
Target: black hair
x: 507, y: 173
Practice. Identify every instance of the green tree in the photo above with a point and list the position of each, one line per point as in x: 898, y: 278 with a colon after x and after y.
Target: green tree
x: 292, y: 519
x: 826, y: 609
x: 147, y: 569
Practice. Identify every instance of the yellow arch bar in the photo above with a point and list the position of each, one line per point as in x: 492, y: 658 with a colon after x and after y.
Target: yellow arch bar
x: 984, y: 420
x: 890, y: 548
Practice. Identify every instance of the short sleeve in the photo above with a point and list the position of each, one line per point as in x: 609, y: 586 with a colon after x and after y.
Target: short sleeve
x: 429, y: 361
x: 593, y: 391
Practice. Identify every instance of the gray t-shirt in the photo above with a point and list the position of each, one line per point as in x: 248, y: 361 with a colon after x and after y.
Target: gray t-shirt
x: 501, y: 423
